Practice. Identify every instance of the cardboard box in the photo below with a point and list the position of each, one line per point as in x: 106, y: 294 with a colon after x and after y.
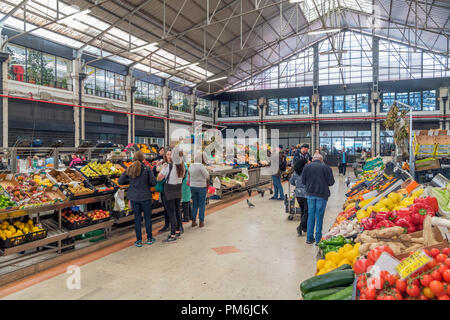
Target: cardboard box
x: 442, y: 242
x: 427, y: 164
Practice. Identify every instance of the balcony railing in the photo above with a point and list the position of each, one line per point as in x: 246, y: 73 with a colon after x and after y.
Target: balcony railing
x: 181, y: 107
x: 42, y: 82
x: 105, y: 94
x: 148, y: 102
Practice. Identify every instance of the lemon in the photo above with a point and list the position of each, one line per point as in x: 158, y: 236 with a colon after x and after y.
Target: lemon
x: 320, y: 264
x: 8, y: 234
x: 26, y: 230
x: 30, y: 222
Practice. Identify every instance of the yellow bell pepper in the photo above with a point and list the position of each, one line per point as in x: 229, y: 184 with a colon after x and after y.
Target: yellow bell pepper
x: 394, y: 197
x: 345, y: 261
x: 361, y: 214
x: 350, y: 255
x: 347, y: 247
x: 320, y: 264
x: 418, y: 193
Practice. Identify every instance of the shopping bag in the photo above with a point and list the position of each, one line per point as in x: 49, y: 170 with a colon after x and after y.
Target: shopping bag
x: 119, y: 200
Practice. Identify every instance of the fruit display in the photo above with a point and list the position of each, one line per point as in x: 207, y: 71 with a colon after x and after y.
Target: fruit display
x: 60, y: 176
x: 431, y: 281
x: 74, y: 219
x: 74, y: 175
x: 5, y: 202
x: 19, y: 232
x: 79, y: 189
x: 144, y: 148
x: 95, y: 169
x: 98, y: 214
x: 34, y: 180
x: 18, y: 194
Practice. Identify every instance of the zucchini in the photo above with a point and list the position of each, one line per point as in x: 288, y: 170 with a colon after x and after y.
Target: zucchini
x: 344, y: 294
x: 343, y: 267
x: 320, y: 294
x: 328, y: 280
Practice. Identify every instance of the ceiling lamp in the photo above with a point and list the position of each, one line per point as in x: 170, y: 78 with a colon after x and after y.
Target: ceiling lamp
x: 320, y: 31
x: 216, y: 79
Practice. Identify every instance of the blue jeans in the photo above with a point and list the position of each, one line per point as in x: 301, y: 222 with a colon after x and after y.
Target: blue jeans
x: 138, y: 207
x: 198, y: 195
x: 316, y: 210
x: 277, y: 187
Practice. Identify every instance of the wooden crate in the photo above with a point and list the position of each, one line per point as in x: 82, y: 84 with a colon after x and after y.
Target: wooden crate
x: 442, y: 242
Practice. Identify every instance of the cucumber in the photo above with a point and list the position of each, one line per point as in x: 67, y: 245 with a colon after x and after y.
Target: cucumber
x: 328, y: 280
x: 320, y: 294
x: 344, y: 294
x: 343, y: 267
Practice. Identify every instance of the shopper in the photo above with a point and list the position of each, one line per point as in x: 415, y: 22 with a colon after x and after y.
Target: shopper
x: 302, y: 152
x: 342, y: 162
x: 160, y: 155
x: 141, y: 179
x: 276, y: 178
x: 156, y: 171
x: 300, y: 194
x: 75, y: 161
x: 186, y: 198
x: 317, y: 178
x: 198, y: 176
x: 173, y: 171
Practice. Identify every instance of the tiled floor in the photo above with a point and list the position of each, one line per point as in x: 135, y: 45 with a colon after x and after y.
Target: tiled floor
x: 241, y: 253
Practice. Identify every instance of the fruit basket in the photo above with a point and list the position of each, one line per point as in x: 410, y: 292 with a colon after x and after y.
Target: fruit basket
x: 99, y: 215
x: 103, y: 185
x: 73, y: 219
x: 12, y: 241
x: 7, y: 181
x: 36, y: 235
x: 74, y: 175
x: 59, y: 176
x: 76, y: 191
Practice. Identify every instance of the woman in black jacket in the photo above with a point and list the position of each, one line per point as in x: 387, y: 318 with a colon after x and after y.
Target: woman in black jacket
x: 141, y: 179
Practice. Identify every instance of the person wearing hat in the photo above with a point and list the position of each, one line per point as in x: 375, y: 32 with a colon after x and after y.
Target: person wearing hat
x: 302, y: 152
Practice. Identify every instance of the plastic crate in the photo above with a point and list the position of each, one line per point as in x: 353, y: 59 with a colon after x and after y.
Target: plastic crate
x: 12, y: 242
x: 101, y: 220
x: 37, y: 235
x: 121, y: 214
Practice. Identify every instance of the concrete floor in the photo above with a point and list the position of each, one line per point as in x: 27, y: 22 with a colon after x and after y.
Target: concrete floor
x: 265, y: 259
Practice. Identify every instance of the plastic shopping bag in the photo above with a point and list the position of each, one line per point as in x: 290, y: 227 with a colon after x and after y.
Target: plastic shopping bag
x: 119, y: 203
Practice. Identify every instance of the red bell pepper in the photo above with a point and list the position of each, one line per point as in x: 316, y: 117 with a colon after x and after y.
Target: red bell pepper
x: 419, y: 211
x: 369, y: 223
x: 405, y: 223
x: 403, y: 213
x: 420, y: 200
x: 433, y: 203
x: 385, y: 224
x: 382, y: 215
x: 392, y: 216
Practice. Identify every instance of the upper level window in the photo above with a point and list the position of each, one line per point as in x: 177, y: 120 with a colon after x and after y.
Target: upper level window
x: 252, y: 108
x: 40, y: 68
x: 272, y: 109
x: 234, y: 108
x: 104, y: 83
x: 388, y: 99
x: 362, y: 102
x: 284, y: 106
x: 242, y: 108
x: 304, y: 105
x: 350, y: 103
x: 338, y: 104
x: 203, y: 107
x: 224, y: 109
x: 415, y: 100
x: 429, y: 100
x: 327, y: 104
x: 293, y: 105
x: 148, y: 93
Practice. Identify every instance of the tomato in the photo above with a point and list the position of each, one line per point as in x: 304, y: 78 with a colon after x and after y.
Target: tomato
x: 447, y: 262
x: 428, y: 293
x: 434, y: 252
x: 441, y: 257
x: 384, y: 274
x: 389, y: 297
x: 373, y: 255
x: 398, y: 296
x: 400, y: 285
x: 425, y: 280
x: 444, y: 297
x: 361, y: 265
x: 436, y: 275
x: 436, y: 287
x: 422, y: 297
x: 446, y: 275
x: 360, y: 285
x: 371, y: 293
x: 446, y: 251
x: 362, y: 277
x: 442, y: 269
x: 432, y: 264
x: 416, y: 282
x: 362, y: 297
x: 391, y: 279
x: 363, y: 290
x: 380, y: 297
x: 413, y: 290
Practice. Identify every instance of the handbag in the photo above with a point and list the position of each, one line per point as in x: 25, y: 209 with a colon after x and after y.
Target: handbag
x: 172, y: 191
x: 160, y: 185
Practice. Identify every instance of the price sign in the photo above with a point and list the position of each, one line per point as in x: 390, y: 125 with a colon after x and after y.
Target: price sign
x: 413, y: 263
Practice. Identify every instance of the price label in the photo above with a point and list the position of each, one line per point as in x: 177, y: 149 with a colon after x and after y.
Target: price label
x: 413, y: 263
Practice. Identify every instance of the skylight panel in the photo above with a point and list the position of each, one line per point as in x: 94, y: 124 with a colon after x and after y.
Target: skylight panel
x: 313, y: 9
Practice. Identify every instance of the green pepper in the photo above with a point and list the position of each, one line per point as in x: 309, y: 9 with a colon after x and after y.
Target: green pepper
x: 330, y: 248
x: 335, y: 241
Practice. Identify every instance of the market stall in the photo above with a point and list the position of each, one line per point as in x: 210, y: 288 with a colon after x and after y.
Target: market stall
x: 390, y: 242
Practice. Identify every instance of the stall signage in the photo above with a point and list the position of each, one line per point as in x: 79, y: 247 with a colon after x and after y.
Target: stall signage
x: 412, y: 263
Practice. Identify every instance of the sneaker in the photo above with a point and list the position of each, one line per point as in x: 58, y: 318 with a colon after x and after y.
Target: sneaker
x: 163, y: 229
x: 273, y: 198
x: 280, y: 199
x: 170, y: 239
x: 150, y: 241
x: 202, y: 224
x: 299, y: 231
x: 194, y: 224
x: 310, y: 241
x: 138, y: 243
x: 178, y: 234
